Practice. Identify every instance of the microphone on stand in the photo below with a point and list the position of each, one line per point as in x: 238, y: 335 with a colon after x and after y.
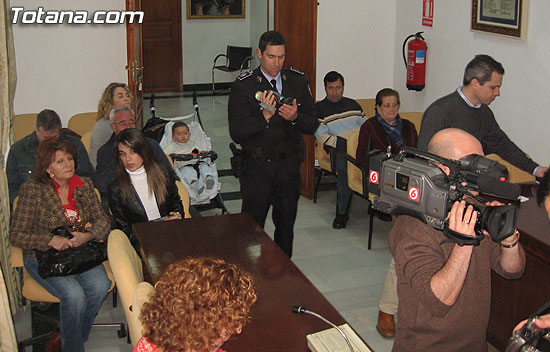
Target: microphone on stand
x: 303, y: 310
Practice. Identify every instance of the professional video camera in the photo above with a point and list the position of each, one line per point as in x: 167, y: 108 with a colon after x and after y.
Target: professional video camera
x: 410, y: 183
x: 531, y: 337
x: 279, y: 100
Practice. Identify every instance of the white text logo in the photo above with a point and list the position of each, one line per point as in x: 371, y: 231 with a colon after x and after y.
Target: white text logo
x: 41, y: 16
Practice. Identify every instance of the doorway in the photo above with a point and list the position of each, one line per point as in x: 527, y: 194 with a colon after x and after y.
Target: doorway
x: 179, y: 52
x: 162, y: 46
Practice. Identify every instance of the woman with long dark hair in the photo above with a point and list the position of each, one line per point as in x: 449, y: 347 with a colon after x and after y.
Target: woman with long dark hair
x: 144, y: 190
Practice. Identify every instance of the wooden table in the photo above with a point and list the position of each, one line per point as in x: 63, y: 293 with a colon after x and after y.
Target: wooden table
x: 237, y: 238
x: 514, y: 300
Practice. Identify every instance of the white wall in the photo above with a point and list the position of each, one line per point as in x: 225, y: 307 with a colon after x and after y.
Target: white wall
x: 203, y: 39
x: 356, y: 38
x: 521, y: 109
x: 66, y: 67
x: 258, y: 25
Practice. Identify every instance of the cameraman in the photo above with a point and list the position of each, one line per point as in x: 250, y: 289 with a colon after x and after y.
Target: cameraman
x: 444, y: 289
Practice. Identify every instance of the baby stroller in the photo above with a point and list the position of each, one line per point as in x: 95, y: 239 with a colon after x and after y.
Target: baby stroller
x: 162, y: 129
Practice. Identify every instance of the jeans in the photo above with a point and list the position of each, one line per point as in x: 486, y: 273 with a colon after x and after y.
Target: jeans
x: 343, y: 192
x: 81, y: 297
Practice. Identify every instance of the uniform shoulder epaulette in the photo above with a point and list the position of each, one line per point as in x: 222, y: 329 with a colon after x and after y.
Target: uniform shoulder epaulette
x: 244, y: 75
x: 292, y: 69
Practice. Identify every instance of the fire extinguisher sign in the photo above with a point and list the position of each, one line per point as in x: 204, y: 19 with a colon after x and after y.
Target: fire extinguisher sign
x: 428, y: 13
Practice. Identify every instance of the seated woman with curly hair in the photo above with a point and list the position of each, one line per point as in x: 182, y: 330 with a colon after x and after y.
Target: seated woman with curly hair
x: 198, y: 304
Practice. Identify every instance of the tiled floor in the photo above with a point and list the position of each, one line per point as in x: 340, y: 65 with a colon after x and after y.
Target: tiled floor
x: 336, y: 261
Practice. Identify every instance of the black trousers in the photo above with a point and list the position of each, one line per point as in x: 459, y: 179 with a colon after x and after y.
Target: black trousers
x: 277, y: 184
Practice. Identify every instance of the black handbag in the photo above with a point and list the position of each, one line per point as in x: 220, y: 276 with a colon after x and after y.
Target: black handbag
x: 70, y: 261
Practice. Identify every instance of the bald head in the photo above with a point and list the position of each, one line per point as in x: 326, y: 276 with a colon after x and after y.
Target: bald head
x: 454, y: 143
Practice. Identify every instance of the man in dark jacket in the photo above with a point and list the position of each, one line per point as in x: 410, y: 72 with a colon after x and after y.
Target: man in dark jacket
x: 121, y: 118
x: 270, y: 135
x: 22, y: 155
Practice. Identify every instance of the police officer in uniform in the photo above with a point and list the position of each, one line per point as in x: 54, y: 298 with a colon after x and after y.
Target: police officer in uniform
x: 271, y: 137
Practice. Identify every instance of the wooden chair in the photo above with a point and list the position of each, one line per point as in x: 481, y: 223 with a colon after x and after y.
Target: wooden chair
x: 142, y: 293
x: 128, y: 273
x: 414, y: 117
x: 23, y: 125
x: 83, y: 122
x: 326, y: 166
x: 368, y: 106
x: 358, y: 179
x: 85, y: 139
x: 515, y: 174
x: 184, y: 195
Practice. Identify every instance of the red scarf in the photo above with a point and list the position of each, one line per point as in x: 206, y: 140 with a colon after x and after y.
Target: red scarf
x: 73, y: 182
x: 144, y: 345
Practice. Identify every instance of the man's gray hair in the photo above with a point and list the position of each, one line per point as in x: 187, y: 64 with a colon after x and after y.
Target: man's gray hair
x: 49, y: 120
x: 117, y: 109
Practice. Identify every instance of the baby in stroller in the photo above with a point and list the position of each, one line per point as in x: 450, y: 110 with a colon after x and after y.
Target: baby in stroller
x: 196, y: 171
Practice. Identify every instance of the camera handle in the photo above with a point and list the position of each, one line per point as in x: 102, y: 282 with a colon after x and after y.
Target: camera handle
x: 460, y: 239
x: 451, y: 164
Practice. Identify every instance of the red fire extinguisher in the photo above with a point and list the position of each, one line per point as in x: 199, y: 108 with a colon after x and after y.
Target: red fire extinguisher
x: 415, y: 61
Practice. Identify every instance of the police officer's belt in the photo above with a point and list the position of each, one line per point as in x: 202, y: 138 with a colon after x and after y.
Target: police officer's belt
x: 261, y: 157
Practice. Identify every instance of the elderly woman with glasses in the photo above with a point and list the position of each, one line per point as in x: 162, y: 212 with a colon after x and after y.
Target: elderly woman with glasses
x: 386, y: 128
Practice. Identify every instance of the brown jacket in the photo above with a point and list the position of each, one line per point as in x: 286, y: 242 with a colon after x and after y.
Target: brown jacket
x: 424, y: 323
x: 39, y: 211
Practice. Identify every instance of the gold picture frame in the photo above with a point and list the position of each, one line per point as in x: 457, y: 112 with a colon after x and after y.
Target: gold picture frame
x: 502, y: 17
x: 212, y: 9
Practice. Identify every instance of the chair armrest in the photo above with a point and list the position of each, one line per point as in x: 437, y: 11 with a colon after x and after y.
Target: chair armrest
x: 217, y: 57
x: 331, y: 151
x: 16, y: 256
x: 246, y: 62
x: 363, y: 173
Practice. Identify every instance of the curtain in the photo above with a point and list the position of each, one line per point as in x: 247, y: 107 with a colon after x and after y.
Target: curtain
x: 10, y: 288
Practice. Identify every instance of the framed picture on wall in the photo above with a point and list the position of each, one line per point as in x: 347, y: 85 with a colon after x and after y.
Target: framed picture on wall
x: 503, y: 17
x: 198, y: 9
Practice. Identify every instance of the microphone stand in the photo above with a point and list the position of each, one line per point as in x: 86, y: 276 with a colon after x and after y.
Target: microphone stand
x: 303, y: 310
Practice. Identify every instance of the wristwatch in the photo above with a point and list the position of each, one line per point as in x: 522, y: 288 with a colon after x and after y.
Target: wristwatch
x: 513, y: 244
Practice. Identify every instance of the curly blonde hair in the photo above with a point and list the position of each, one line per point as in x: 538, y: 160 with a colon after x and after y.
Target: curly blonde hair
x: 197, y: 302
x: 105, y: 104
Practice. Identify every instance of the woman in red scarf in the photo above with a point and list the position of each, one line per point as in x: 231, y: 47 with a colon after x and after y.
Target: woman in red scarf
x: 56, y: 197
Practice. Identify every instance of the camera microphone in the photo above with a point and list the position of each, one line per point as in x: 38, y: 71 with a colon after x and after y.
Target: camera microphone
x: 303, y: 310
x: 492, y: 186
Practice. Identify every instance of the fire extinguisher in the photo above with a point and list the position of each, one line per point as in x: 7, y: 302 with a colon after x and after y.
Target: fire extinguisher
x: 415, y: 61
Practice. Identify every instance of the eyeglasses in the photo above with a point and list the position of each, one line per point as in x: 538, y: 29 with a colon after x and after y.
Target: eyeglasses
x: 125, y: 123
x: 390, y: 106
